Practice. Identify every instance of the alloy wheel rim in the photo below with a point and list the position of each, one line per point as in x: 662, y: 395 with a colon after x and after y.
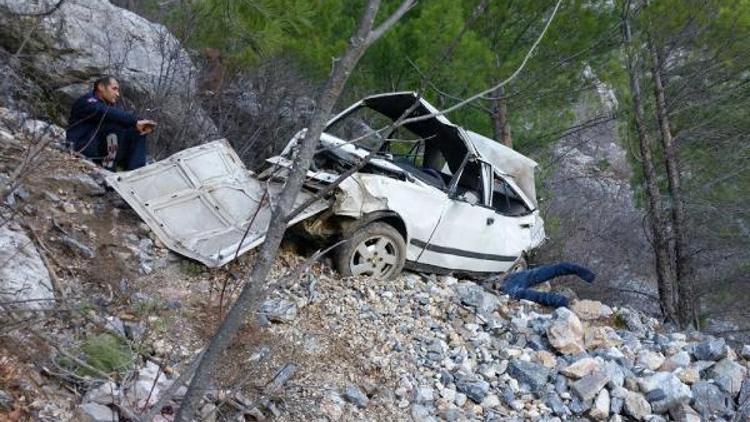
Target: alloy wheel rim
x: 375, y: 256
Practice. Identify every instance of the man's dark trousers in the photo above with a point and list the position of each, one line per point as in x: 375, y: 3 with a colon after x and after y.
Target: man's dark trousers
x: 121, y: 148
x: 518, y: 285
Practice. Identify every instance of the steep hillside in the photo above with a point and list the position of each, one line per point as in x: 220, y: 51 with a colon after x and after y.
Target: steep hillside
x: 104, y: 320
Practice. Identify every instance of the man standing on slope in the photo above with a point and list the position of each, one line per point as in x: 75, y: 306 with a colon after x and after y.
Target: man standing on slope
x: 103, y: 132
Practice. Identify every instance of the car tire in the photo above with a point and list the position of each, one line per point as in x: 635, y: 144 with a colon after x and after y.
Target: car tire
x: 376, y: 250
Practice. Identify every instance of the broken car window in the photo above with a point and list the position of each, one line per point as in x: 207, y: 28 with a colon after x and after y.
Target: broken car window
x: 361, y: 127
x: 505, y: 200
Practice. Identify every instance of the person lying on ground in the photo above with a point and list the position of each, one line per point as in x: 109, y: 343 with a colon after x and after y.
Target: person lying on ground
x: 518, y: 285
x: 103, y: 132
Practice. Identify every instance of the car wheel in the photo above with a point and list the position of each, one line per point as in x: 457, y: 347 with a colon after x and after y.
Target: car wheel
x: 376, y: 250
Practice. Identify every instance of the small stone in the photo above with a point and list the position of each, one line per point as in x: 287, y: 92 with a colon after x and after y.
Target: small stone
x: 553, y: 401
x: 600, y: 409
x: 354, y: 395
x: 581, y: 368
x: 490, y: 401
x: 745, y: 353
x: 596, y: 337
x: 424, y: 395
x: 279, y: 310
x: 208, y: 412
x: 332, y: 406
x: 710, y: 350
x: 709, y: 401
x: 420, y: 413
x: 664, y: 391
x: 615, y: 374
x: 678, y: 360
x: 589, y: 386
x: 546, y: 358
x: 565, y: 332
x: 475, y: 389
x: 615, y: 405
x: 728, y: 375
x: 587, y: 309
x: 650, y: 359
x: 684, y: 413
x: 636, y: 406
x: 533, y: 375
x: 69, y: 208
x: 460, y: 399
x: 6, y: 401
x: 105, y: 394
x: 688, y: 375
x: 93, y: 412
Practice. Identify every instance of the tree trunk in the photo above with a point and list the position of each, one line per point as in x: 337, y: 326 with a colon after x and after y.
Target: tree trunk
x: 660, y: 244
x: 685, y: 295
x: 500, y: 122
x: 253, y: 288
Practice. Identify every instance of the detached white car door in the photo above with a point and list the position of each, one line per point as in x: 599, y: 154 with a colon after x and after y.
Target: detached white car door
x: 472, y: 235
x: 203, y: 203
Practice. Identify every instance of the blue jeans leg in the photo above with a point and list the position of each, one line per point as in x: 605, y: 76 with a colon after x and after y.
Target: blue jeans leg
x: 518, y: 285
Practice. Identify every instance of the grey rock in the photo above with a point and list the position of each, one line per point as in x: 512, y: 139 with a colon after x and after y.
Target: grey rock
x: 134, y: 330
x: 424, y: 394
x: 615, y: 405
x: 710, y: 350
x: 561, y: 384
x: 664, y: 391
x: 744, y: 392
x: 534, y: 375
x: 78, y: 247
x: 743, y: 413
x: 420, y: 413
x: 6, y: 401
x: 578, y: 407
x: 709, y: 400
x: 279, y: 310
x: 553, y: 401
x: 472, y: 295
x: 475, y: 389
x: 636, y: 406
x: 105, y: 394
x: 92, y: 412
x: 600, y: 408
x: 728, y: 375
x: 684, y: 413
x: 24, y: 279
x: 589, y: 386
x: 615, y: 374
x: 354, y: 395
x: 745, y: 352
x: 450, y: 415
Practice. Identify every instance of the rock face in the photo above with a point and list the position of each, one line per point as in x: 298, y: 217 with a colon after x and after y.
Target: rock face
x: 24, y: 279
x: 85, y: 39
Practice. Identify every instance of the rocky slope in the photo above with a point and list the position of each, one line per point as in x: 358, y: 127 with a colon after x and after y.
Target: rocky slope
x: 110, y: 319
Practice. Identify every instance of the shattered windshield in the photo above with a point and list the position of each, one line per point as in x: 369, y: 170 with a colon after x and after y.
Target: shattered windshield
x: 361, y: 127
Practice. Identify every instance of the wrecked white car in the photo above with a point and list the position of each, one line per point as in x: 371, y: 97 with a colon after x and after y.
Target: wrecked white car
x: 434, y: 196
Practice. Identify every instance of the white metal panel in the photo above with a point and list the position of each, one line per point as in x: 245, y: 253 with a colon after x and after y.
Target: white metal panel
x: 201, y: 201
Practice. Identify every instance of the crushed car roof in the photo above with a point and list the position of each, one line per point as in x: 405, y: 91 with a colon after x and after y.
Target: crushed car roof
x: 439, y: 129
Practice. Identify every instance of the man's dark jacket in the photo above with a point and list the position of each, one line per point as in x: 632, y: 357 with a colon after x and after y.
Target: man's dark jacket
x: 91, y: 117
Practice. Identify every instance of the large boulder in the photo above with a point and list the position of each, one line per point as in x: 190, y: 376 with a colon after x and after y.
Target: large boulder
x: 24, y: 279
x: 85, y: 39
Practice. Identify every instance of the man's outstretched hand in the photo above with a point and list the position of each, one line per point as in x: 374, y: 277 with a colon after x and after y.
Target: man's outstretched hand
x: 145, y: 127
